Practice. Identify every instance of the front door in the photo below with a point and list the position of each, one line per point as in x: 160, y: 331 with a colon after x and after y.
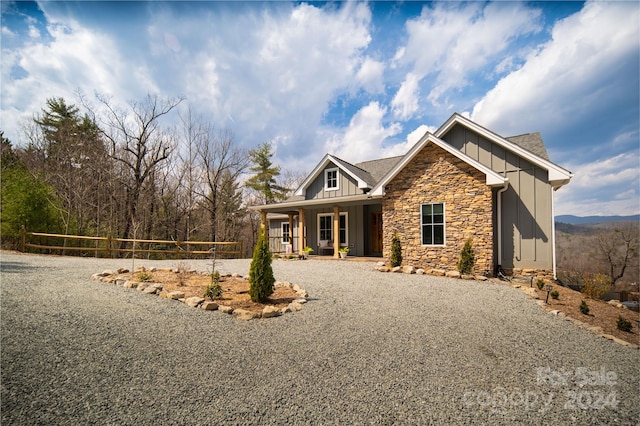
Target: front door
x: 376, y: 232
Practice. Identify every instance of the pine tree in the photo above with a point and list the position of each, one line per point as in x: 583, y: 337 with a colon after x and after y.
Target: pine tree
x: 396, y: 251
x: 264, y: 180
x: 261, y: 278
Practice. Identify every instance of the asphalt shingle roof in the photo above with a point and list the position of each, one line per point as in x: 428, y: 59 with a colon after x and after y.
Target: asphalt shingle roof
x: 532, y: 142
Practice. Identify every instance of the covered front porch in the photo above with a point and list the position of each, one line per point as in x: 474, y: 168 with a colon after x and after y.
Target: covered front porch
x: 325, y: 228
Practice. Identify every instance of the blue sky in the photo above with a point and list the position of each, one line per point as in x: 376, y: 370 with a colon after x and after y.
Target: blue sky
x: 359, y: 80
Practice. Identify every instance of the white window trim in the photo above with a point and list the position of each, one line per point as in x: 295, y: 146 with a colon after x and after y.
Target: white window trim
x: 346, y: 229
x: 282, y: 224
x: 444, y: 225
x: 326, y: 179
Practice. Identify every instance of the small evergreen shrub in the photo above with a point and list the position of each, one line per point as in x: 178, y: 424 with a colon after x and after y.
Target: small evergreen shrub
x: 144, y: 276
x: 396, y: 251
x: 261, y: 278
x: 467, y: 258
x: 624, y: 324
x: 214, y: 289
x: 554, y: 294
x: 584, y: 308
x: 540, y: 284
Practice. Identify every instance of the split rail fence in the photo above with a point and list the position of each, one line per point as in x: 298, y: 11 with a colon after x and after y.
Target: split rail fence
x: 112, y: 247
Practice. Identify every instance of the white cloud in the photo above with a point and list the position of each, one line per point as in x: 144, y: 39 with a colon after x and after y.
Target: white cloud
x: 363, y: 138
x: 370, y: 74
x: 298, y: 64
x: 70, y: 61
x: 603, y: 187
x: 34, y: 33
x: 452, y: 41
x: 6, y: 32
x: 406, y: 101
x: 411, y: 139
x: 578, y: 66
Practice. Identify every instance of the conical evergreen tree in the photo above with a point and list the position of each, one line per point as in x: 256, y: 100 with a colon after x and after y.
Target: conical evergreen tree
x: 261, y: 278
x: 467, y: 258
x: 396, y: 251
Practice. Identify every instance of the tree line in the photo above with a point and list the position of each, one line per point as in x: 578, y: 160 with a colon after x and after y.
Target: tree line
x: 100, y: 168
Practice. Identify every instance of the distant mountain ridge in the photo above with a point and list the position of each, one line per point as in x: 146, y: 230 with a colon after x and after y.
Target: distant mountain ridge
x: 581, y: 220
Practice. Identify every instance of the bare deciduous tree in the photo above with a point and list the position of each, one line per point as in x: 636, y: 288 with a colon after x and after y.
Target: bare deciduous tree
x: 137, y: 142
x: 220, y: 160
x: 617, y: 250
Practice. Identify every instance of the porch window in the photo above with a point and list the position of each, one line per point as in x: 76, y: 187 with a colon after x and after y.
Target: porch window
x: 331, y: 179
x: 286, y: 232
x: 432, y: 224
x: 325, y: 228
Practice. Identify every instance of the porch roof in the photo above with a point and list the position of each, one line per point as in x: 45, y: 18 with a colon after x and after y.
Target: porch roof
x: 292, y: 205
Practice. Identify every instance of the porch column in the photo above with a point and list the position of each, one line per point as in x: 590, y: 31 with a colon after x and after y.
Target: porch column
x: 263, y: 219
x: 291, y: 231
x: 302, y: 237
x: 336, y: 231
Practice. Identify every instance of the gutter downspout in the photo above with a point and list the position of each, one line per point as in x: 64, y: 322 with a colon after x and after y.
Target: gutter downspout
x: 499, y: 201
x: 553, y: 235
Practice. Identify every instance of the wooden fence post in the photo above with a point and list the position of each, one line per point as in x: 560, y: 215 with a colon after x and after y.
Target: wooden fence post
x: 23, y: 237
x: 108, y: 246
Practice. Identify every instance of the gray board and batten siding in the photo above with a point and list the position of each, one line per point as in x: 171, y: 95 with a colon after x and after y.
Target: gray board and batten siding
x: 526, y: 204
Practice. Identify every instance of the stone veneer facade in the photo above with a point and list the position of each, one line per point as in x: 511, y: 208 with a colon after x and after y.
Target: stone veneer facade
x: 436, y: 176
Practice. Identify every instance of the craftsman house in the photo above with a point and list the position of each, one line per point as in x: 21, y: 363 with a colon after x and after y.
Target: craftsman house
x: 464, y: 181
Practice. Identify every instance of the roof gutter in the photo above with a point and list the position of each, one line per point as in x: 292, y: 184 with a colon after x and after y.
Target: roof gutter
x: 499, y: 201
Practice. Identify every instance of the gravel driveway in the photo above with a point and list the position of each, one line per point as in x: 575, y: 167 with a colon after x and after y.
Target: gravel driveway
x: 368, y: 348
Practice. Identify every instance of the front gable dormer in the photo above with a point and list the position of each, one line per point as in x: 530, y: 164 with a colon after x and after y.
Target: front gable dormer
x: 333, y: 177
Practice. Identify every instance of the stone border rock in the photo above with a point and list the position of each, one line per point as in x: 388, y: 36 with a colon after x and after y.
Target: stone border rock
x: 382, y: 267
x: 108, y: 276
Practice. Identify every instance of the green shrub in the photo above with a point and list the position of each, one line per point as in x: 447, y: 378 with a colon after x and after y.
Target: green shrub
x: 624, y: 324
x: 554, y: 294
x: 396, y: 251
x: 584, y: 308
x: 540, y: 284
x: 144, y: 276
x: 467, y: 258
x: 214, y: 289
x: 596, y: 285
x: 261, y: 278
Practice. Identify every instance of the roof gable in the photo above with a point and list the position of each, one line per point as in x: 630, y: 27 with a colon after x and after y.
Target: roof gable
x: 362, y: 177
x: 558, y: 176
x: 492, y: 178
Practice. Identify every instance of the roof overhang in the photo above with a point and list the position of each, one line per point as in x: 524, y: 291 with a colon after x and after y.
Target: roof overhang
x: 558, y: 176
x: 492, y: 178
